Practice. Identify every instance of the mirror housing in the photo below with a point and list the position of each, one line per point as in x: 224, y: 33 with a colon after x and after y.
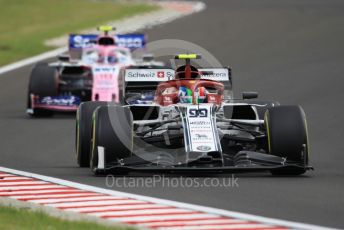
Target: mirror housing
x: 64, y: 58
x: 249, y: 95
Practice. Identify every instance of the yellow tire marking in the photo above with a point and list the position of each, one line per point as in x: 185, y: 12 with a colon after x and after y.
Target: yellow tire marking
x: 267, y: 129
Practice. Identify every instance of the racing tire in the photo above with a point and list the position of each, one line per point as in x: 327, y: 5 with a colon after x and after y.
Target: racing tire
x: 83, y: 132
x: 112, y: 130
x: 287, y: 136
x: 43, y: 82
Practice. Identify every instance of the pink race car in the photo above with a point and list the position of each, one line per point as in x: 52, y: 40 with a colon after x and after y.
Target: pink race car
x: 93, y: 76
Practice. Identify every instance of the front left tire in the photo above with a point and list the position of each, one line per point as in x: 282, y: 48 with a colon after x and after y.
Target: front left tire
x: 84, y: 131
x: 43, y: 82
x: 112, y: 131
x: 287, y: 136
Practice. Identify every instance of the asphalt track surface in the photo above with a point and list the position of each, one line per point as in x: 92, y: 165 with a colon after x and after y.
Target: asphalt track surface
x: 290, y: 51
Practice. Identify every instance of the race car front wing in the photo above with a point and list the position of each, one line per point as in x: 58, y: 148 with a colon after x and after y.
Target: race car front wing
x: 243, y: 162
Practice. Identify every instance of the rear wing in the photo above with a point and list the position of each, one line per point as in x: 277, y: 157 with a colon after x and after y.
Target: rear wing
x: 132, y: 41
x: 166, y: 74
x: 146, y: 78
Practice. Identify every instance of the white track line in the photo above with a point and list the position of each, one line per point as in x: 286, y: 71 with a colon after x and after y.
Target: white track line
x: 94, y: 203
x: 75, y: 199
x: 143, y: 218
x: 38, y: 187
x: 213, y: 211
x: 50, y: 196
x: 12, y: 193
x: 222, y: 227
x: 118, y: 207
x: 193, y: 222
x: 3, y: 184
x: 142, y: 212
x: 6, y: 175
x: 14, y: 178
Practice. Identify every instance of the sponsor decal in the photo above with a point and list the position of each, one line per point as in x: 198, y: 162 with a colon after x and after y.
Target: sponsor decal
x: 214, y: 75
x: 104, y: 77
x: 200, y: 129
x: 140, y: 75
x: 167, y: 100
x: 218, y: 74
x: 78, y: 41
x: 201, y: 136
x: 198, y: 113
x: 153, y: 75
x: 161, y: 74
x: 104, y: 84
x: 211, y: 98
x: 104, y: 69
x: 60, y: 101
x: 200, y: 123
x: 131, y: 41
x: 203, y: 148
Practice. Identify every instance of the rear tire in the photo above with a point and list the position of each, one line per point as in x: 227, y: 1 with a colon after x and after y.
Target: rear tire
x: 84, y: 131
x: 112, y: 130
x: 43, y: 82
x: 287, y: 136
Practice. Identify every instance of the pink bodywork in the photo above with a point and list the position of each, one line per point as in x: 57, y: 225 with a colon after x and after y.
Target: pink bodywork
x: 105, y: 74
x: 105, y: 84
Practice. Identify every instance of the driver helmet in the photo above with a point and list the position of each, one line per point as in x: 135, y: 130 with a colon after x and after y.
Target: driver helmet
x: 112, y: 59
x: 185, y: 95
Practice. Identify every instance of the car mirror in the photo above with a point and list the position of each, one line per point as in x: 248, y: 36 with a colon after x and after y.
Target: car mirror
x: 249, y: 95
x: 148, y: 57
x: 64, y: 57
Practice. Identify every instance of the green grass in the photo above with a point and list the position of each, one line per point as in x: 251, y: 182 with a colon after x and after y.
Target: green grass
x: 13, y: 219
x: 26, y: 24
